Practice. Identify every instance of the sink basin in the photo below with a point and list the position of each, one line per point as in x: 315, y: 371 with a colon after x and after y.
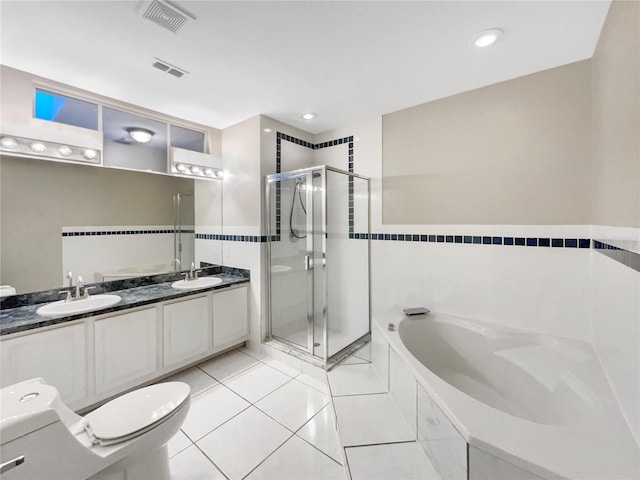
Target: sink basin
x: 202, y: 282
x: 78, y: 306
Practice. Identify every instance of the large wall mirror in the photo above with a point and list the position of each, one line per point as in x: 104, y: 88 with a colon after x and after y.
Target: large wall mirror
x: 101, y: 223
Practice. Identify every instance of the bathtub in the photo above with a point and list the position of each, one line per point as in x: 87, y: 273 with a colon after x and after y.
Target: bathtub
x: 540, y: 403
x: 135, y: 271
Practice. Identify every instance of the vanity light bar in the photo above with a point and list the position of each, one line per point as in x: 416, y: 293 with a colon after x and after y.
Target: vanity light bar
x: 28, y: 147
x: 181, y: 168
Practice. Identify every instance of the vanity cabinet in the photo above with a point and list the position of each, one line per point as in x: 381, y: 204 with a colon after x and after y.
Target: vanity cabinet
x: 126, y: 348
x: 58, y: 355
x: 230, y: 317
x: 98, y: 357
x: 186, y: 327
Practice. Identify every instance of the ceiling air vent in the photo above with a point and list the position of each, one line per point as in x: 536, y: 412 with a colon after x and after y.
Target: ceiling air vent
x: 166, y: 16
x: 168, y: 68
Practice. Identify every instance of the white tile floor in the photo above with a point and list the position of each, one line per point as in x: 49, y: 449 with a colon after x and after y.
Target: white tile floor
x: 255, y: 419
x: 254, y: 416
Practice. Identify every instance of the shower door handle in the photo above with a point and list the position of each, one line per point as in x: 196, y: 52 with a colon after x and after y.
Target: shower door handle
x: 308, y: 262
x: 11, y: 464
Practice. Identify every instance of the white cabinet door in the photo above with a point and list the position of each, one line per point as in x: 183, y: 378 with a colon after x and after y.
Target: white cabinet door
x: 230, y: 319
x: 126, y: 348
x: 187, y: 329
x: 59, y: 356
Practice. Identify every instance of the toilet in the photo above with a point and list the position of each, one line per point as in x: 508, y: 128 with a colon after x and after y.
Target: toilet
x: 124, y: 439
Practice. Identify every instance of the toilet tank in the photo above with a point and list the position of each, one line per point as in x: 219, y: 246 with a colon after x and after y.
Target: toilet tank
x: 33, y: 426
x: 27, y: 406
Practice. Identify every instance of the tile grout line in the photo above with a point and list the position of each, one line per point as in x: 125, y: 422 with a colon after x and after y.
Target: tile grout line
x: 341, y: 446
x: 305, y: 440
x: 382, y: 443
x: 269, y: 456
x: 212, y: 462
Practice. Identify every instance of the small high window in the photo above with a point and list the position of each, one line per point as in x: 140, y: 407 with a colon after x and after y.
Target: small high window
x: 188, y: 139
x: 55, y: 107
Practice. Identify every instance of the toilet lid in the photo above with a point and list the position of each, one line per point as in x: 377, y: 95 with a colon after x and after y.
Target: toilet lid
x: 137, y: 410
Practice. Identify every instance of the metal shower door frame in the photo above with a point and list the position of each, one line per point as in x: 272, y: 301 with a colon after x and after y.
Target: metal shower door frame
x: 308, y: 172
x: 280, y: 177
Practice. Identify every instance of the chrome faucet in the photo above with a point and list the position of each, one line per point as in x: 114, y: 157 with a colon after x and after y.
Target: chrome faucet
x: 176, y: 263
x: 192, y: 274
x: 79, y: 285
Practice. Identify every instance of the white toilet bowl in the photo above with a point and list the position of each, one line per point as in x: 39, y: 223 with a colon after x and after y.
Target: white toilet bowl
x: 124, y: 439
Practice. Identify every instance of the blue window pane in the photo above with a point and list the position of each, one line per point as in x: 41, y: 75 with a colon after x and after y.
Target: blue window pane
x: 59, y: 108
x: 48, y: 105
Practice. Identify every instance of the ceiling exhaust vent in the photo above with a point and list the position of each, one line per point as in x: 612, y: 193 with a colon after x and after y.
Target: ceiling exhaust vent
x: 168, y: 68
x: 167, y: 16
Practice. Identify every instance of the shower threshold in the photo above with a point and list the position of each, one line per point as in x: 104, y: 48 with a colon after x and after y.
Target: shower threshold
x: 315, y: 361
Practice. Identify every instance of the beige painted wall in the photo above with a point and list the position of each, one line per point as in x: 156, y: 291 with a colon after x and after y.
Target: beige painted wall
x: 38, y: 197
x: 616, y: 118
x: 517, y: 152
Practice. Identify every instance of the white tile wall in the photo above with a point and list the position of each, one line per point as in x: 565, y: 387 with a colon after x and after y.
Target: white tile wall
x: 483, y: 466
x: 402, y: 388
x: 442, y: 443
x: 615, y: 291
x: 86, y: 255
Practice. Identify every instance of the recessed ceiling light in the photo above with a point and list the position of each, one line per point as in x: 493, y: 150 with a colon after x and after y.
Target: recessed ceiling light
x: 89, y: 154
x: 267, y: 130
x: 309, y: 116
x: 487, y: 37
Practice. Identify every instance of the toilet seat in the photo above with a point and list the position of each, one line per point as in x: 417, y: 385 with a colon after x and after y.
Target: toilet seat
x: 135, y: 413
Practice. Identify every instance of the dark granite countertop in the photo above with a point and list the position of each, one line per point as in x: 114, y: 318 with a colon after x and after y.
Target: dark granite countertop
x: 18, y: 313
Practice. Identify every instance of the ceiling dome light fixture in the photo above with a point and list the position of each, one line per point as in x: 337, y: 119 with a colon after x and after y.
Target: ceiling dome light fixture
x: 309, y: 116
x: 487, y: 37
x: 140, y: 135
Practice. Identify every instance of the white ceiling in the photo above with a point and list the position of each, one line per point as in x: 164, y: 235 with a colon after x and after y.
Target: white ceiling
x: 346, y: 61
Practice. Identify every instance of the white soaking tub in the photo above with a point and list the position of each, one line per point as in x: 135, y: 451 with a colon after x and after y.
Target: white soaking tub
x: 540, y: 403
x: 135, y: 271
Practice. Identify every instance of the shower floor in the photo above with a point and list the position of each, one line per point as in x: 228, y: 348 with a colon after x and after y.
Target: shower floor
x: 337, y: 340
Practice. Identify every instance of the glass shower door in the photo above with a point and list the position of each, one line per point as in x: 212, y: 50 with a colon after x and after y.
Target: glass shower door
x: 291, y: 245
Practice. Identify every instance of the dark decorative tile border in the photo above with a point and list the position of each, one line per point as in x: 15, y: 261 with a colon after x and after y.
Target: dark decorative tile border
x: 83, y: 233
x: 314, y: 146
x: 236, y: 238
x: 477, y: 240
x: 626, y: 257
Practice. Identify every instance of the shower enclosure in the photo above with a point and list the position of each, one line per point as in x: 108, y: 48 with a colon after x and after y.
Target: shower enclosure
x: 318, y: 266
